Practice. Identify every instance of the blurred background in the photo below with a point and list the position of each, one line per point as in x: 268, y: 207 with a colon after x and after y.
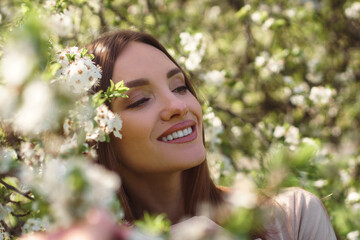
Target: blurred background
x: 279, y: 82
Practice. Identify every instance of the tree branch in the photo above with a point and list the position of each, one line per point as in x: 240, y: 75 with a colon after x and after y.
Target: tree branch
x: 16, y: 190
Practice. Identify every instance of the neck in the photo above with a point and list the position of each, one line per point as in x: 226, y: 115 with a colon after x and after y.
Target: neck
x: 155, y: 194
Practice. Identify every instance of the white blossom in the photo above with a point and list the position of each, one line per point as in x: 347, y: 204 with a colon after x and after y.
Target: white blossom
x: 34, y: 225
x: 354, y: 235
x: 275, y: 65
x: 108, y: 121
x: 262, y: 59
x: 314, y: 77
x: 214, y: 77
x: 353, y: 11
x: 8, y: 101
x: 49, y: 4
x: 269, y: 64
x: 38, y: 112
x: 279, y: 131
x: 297, y: 100
x: 214, y: 127
x: 79, y: 75
x: 345, y: 177
x: 290, y: 13
x: 292, y: 136
x: 193, y: 61
x: 320, y: 183
x: 33, y: 155
x: 268, y: 23
x: 190, y: 42
x: 236, y: 130
x: 7, y: 156
x: 62, y: 24
x: 256, y: 17
x: 346, y: 76
x: 134, y: 9
x: 102, y: 184
x: 243, y: 193
x: 97, y: 190
x: 301, y: 88
x: 320, y: 95
x: 195, y: 46
x: 352, y: 197
x: 214, y: 13
x: 69, y: 144
x: 218, y: 164
x: 18, y: 61
x: 288, y: 80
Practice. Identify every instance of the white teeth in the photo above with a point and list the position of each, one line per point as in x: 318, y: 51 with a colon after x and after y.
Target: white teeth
x: 180, y: 133
x: 177, y: 134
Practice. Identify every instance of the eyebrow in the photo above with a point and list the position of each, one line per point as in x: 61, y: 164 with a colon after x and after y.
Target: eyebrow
x: 144, y: 81
x: 173, y: 72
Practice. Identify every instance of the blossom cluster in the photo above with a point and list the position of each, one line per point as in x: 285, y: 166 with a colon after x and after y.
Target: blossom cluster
x: 353, y: 11
x: 269, y: 64
x: 77, y: 70
x: 291, y: 134
x: 80, y: 185
x: 195, y: 46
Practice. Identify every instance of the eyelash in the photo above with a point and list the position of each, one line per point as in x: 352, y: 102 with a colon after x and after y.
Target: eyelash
x: 181, y: 90
x: 138, y: 103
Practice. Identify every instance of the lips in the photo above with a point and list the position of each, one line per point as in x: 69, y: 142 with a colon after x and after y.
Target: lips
x: 175, y: 133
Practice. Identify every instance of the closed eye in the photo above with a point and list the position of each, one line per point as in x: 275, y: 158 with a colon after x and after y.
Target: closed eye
x: 138, y: 103
x: 181, y: 89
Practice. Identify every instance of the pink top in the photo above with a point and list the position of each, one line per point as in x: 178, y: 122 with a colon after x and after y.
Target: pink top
x: 299, y: 215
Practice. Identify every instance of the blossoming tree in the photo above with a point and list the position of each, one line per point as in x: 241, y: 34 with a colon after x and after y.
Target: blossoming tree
x: 280, y: 99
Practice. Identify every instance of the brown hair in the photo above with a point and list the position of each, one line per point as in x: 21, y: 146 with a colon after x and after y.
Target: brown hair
x: 196, y: 184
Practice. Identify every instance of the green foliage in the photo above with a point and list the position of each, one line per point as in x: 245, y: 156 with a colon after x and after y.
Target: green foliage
x: 154, y: 225
x: 113, y: 91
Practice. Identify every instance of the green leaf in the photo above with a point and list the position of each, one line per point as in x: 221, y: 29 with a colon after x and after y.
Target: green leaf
x: 111, y: 85
x: 243, y: 12
x: 83, y: 52
x: 154, y: 225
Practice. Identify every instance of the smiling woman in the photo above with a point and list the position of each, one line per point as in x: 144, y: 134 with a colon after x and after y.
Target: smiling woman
x: 161, y: 157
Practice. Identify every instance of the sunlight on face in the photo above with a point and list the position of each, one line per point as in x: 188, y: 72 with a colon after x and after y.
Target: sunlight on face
x: 162, y: 120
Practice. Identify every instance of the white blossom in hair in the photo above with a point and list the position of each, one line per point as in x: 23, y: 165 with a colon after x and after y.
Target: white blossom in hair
x: 78, y: 70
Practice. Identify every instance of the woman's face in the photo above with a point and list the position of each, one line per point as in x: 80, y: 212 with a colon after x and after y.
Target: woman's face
x: 162, y: 120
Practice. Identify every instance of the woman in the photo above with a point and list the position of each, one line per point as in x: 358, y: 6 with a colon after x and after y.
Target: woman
x: 172, y: 174
x: 161, y: 158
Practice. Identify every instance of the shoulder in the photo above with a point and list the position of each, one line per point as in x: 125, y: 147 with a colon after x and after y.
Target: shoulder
x: 302, y: 215
x: 297, y: 198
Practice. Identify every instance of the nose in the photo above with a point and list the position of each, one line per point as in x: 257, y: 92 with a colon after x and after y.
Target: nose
x: 173, y: 107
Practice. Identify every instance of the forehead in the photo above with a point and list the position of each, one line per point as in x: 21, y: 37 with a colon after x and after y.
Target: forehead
x: 139, y: 60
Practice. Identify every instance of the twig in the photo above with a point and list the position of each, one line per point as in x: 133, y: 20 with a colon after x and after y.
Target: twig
x: 16, y: 190
x: 20, y: 215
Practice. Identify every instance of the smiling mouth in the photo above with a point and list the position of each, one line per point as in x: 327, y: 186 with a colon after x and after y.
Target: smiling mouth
x: 178, y: 134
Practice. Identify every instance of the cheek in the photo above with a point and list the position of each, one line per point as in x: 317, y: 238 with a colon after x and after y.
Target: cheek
x: 136, y: 132
x: 195, y: 107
